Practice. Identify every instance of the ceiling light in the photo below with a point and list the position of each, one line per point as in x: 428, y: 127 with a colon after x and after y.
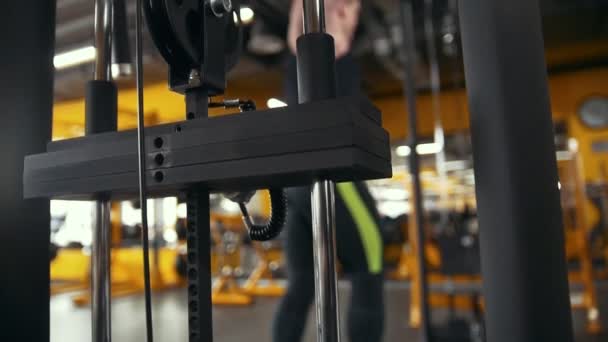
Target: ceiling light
x: 74, y: 57
x: 573, y: 145
x: 246, y: 14
x: 403, y: 151
x: 431, y: 148
x: 275, y: 103
x: 170, y: 235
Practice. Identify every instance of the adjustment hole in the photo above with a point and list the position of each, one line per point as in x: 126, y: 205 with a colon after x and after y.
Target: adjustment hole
x: 190, y: 116
x: 159, y: 159
x: 193, y: 290
x: 178, y: 128
x: 193, y: 323
x: 159, y: 176
x: 158, y: 142
x: 179, y: 2
x: 193, y: 306
x: 192, y: 273
x: 191, y: 257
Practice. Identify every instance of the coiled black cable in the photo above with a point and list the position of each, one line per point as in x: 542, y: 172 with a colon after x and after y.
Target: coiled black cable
x: 278, y: 214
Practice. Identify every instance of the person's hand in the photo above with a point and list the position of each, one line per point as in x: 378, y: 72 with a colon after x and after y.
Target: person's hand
x: 341, y: 16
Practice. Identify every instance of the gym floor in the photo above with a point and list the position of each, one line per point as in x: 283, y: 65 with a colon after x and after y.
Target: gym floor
x: 237, y: 324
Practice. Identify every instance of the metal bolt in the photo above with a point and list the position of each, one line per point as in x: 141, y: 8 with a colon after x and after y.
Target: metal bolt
x: 220, y: 7
x: 194, y: 79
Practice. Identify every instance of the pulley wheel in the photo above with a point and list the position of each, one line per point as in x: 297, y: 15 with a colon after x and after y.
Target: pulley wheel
x: 177, y: 29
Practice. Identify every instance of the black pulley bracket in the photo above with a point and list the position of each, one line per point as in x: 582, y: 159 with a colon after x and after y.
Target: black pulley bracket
x: 191, y: 35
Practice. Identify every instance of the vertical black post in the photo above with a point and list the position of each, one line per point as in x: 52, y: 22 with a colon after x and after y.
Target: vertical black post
x: 27, y: 99
x: 200, y: 322
x: 409, y: 90
x: 522, y: 240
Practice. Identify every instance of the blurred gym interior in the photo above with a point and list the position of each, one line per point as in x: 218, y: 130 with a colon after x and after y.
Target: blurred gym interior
x: 475, y: 246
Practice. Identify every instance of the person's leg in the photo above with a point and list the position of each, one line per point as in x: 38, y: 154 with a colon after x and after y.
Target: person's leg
x: 360, y: 251
x: 290, y: 318
x: 366, y: 312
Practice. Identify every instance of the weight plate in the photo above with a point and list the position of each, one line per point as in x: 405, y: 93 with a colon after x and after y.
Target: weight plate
x: 185, y: 22
x: 163, y: 35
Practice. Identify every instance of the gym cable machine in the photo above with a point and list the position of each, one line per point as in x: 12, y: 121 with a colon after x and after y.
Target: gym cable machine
x: 523, y: 265
x: 322, y: 140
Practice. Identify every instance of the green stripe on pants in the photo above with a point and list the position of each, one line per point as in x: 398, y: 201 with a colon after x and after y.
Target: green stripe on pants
x: 366, y: 225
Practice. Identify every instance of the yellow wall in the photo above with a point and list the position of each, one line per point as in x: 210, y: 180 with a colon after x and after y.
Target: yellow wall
x: 161, y: 105
x: 567, y: 91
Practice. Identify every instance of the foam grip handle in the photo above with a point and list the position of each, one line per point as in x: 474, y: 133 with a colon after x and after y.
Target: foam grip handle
x: 316, y: 67
x: 101, y: 107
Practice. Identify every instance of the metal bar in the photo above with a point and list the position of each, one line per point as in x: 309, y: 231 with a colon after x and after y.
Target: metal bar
x: 200, y: 318
x: 525, y: 280
x: 103, y: 39
x: 158, y: 232
x: 326, y: 283
x: 101, y: 244
x: 141, y: 164
x: 435, y: 80
x: 314, y: 16
x: 323, y: 205
x: 100, y: 273
x: 409, y: 89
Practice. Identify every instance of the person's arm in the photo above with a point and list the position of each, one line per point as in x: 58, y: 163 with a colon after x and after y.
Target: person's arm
x: 341, y: 16
x: 296, y: 24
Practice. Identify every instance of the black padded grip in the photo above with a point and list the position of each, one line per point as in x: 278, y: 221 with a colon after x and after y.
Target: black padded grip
x: 316, y: 67
x: 101, y: 107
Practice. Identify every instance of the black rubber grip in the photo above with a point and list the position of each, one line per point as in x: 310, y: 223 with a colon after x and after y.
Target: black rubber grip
x: 316, y: 67
x: 101, y: 107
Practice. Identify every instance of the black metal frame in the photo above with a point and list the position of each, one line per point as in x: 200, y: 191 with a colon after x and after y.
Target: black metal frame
x: 27, y: 99
x: 523, y: 262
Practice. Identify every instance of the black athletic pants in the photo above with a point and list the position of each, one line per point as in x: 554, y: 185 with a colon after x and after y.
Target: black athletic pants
x: 359, y: 249
x: 359, y: 245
